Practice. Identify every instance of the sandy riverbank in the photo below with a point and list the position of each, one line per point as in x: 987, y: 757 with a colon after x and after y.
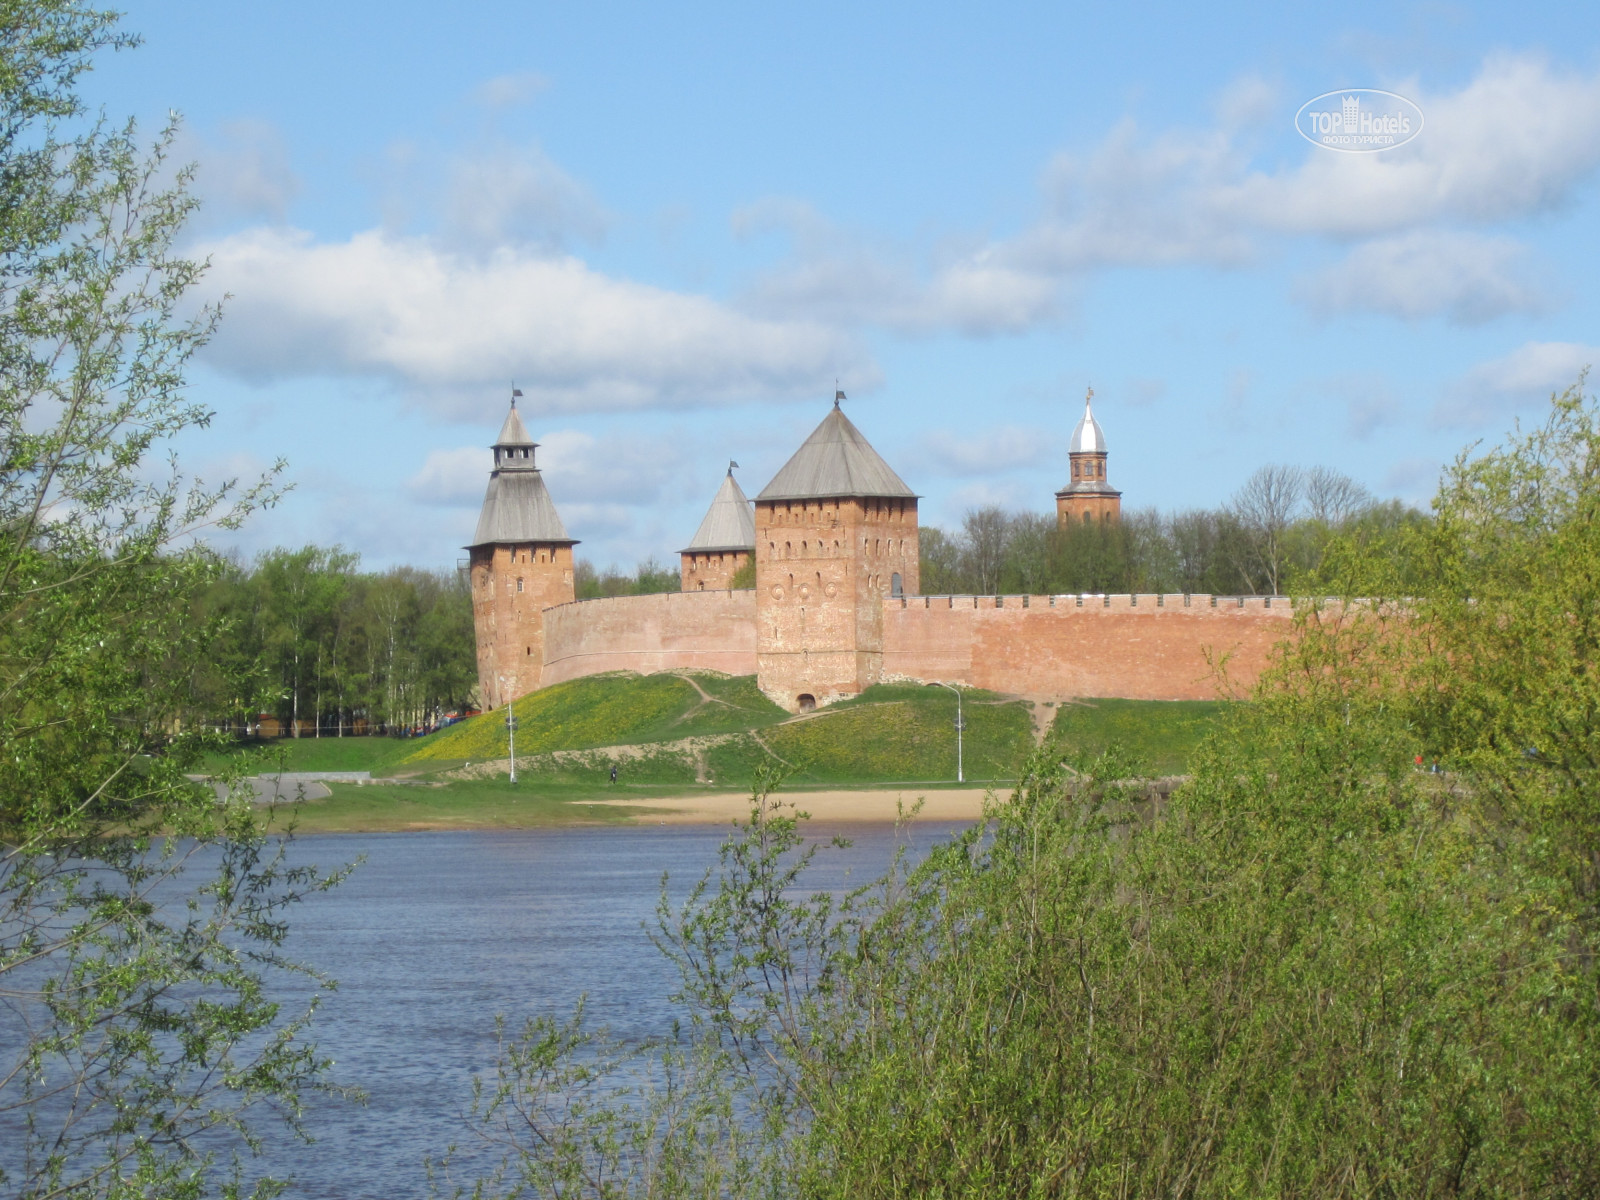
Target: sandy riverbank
x: 722, y: 808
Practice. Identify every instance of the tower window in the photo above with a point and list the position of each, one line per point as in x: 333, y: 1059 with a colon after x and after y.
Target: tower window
x: 519, y: 585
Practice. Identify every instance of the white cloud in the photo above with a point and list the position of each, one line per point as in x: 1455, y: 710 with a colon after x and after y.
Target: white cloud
x: 242, y: 171
x: 1465, y: 277
x: 1515, y: 141
x: 993, y: 451
x: 849, y: 279
x: 452, y: 477
x: 507, y: 91
x: 577, y: 466
x: 1492, y: 390
x: 449, y: 326
x: 1249, y: 100
x: 506, y: 194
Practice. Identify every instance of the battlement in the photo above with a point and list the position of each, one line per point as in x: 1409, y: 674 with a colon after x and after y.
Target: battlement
x: 1148, y: 602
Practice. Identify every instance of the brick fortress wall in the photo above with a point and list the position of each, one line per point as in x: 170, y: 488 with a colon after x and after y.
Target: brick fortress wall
x: 704, y: 630
x: 1145, y: 647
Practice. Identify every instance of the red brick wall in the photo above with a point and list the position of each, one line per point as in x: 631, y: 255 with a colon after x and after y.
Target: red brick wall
x: 709, y: 630
x: 1138, y: 648
x: 508, y: 620
x: 710, y: 571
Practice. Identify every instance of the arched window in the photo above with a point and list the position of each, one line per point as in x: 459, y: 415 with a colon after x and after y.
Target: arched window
x: 895, y: 586
x: 519, y: 585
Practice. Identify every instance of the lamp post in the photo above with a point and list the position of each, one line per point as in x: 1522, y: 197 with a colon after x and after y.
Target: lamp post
x: 960, y: 725
x: 511, y: 740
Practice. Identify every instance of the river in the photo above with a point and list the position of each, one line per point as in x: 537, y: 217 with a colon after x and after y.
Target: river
x: 437, y: 933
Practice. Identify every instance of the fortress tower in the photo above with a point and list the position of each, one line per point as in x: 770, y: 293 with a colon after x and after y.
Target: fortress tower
x: 723, y: 544
x: 835, y: 532
x: 1088, y: 497
x: 521, y: 565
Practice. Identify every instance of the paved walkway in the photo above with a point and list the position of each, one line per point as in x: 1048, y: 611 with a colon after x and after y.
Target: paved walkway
x: 290, y: 786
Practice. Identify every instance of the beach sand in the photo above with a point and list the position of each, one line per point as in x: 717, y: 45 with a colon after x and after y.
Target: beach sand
x: 964, y: 804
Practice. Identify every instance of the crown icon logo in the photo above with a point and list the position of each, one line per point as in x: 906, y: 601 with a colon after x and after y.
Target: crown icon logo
x: 1352, y: 114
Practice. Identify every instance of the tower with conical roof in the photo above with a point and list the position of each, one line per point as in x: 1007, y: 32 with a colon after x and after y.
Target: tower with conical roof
x: 835, y: 534
x: 723, y: 544
x: 521, y: 564
x: 1088, y: 498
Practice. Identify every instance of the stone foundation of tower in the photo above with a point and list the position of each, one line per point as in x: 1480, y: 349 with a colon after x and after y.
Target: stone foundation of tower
x: 512, y: 585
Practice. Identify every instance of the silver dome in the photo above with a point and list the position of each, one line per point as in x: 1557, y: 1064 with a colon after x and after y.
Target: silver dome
x: 1088, y: 437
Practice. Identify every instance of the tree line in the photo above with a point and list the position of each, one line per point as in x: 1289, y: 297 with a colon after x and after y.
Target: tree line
x: 329, y: 650
x: 1272, y: 532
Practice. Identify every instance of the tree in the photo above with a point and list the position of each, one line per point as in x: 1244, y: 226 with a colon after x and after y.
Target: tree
x: 1265, y: 508
x: 141, y: 1014
x: 940, y: 561
x: 985, y: 533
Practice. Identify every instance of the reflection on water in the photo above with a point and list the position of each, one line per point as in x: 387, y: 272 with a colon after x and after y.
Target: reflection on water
x: 436, y: 933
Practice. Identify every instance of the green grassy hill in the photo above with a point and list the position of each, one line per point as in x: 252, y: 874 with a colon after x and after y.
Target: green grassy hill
x: 703, y: 729
x: 609, y: 710
x: 1161, y: 734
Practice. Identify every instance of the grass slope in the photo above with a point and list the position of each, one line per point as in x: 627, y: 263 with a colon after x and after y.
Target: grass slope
x: 890, y: 733
x: 608, y: 710
x: 1161, y: 734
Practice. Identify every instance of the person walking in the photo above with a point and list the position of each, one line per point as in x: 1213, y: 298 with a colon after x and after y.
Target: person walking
x: 613, y: 774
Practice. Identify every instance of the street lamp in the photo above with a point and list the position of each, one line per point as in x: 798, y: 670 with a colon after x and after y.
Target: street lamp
x: 960, y: 725
x: 511, y: 740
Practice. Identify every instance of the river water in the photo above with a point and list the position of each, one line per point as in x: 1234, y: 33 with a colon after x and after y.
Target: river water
x: 437, y: 933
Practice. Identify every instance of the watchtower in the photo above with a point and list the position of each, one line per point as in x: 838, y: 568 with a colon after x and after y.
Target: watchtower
x: 723, y: 544
x: 521, y: 564
x: 835, y: 533
x: 1088, y: 498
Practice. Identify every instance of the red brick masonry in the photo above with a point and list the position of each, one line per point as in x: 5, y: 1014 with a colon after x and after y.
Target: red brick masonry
x: 709, y: 631
x: 1143, y: 647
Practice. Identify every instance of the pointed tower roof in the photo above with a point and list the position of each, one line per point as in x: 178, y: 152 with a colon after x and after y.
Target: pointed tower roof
x: 517, y: 507
x: 1088, y: 437
x: 729, y: 524
x: 514, y: 432
x: 835, y: 461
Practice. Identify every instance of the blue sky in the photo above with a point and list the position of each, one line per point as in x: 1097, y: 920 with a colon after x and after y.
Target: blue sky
x: 676, y: 226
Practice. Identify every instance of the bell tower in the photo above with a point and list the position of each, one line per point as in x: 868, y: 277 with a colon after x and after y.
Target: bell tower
x: 1088, y: 498
x: 521, y: 564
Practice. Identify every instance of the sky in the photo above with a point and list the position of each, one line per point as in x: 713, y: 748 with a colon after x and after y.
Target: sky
x: 678, y: 229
